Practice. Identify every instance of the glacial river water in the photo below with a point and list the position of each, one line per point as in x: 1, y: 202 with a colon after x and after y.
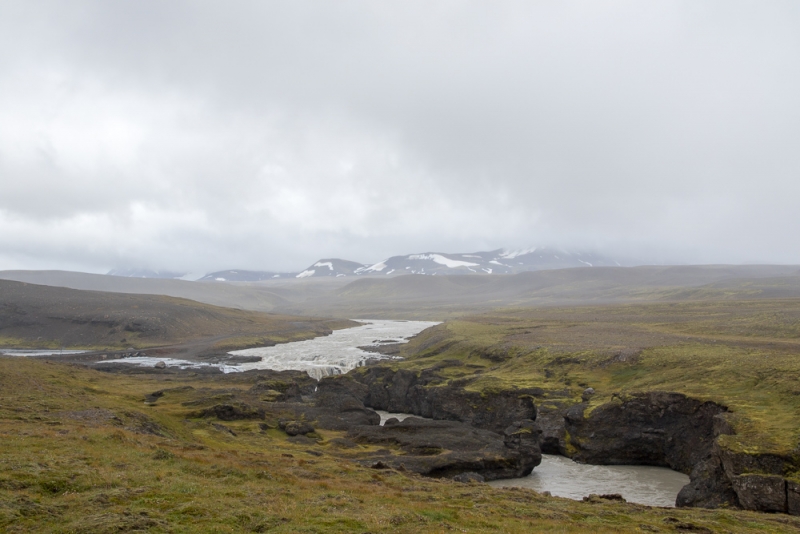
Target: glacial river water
x: 653, y: 486
x: 334, y: 354
x: 643, y: 484
x: 339, y: 353
x: 39, y: 352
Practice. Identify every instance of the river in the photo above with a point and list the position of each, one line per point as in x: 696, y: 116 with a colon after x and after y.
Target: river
x: 642, y: 484
x: 339, y: 353
x: 333, y: 354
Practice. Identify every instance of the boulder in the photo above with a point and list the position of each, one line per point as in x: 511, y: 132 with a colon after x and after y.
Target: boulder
x: 296, y: 428
x: 761, y: 493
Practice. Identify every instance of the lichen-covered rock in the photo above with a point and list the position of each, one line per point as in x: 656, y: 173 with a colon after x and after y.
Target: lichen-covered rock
x: 761, y: 493
x: 296, y: 428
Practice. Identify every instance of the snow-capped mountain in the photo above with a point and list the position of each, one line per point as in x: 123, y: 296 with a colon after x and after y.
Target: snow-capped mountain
x: 244, y: 276
x: 144, y: 273
x: 332, y: 267
x: 500, y: 261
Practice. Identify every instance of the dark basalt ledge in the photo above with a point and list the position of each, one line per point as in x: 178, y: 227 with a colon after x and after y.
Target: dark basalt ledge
x: 449, y: 448
x: 676, y: 431
x: 441, y: 448
x: 426, y: 394
x: 653, y: 428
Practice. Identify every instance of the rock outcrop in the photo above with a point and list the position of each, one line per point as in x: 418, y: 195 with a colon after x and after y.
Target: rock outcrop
x: 426, y: 394
x: 446, y: 449
x: 654, y: 428
x: 676, y: 431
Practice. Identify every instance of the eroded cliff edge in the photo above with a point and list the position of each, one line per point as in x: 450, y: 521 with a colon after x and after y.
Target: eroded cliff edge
x: 656, y: 428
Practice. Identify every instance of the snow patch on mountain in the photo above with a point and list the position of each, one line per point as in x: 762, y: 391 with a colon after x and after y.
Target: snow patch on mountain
x: 511, y: 254
x: 378, y: 267
x: 441, y: 260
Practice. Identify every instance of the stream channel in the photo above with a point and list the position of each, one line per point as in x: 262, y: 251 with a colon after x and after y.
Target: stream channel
x: 642, y: 484
x: 339, y: 352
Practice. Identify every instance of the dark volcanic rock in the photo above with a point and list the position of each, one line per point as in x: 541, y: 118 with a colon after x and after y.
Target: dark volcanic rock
x: 425, y: 394
x: 763, y: 493
x: 233, y: 412
x: 342, y: 397
x: 655, y: 428
x: 664, y: 429
x: 524, y: 436
x: 290, y: 385
x: 550, y: 418
x: 793, y: 497
x: 295, y: 428
x: 709, y: 487
x: 449, y: 448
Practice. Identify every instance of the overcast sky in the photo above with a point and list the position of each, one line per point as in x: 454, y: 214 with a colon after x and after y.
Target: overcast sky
x: 199, y: 136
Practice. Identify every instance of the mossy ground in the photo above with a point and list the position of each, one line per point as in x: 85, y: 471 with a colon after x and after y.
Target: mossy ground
x: 79, y: 454
x: 742, y: 354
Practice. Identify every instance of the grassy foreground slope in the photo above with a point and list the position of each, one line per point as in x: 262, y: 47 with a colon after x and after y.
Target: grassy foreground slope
x: 82, y: 452
x: 50, y: 317
x: 742, y: 354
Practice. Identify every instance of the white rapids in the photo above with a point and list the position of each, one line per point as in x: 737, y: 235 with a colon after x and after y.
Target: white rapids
x: 334, y: 354
x: 39, y: 352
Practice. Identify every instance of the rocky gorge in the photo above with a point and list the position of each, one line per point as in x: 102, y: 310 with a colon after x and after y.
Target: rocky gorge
x: 651, y: 428
x: 471, y: 435
x: 300, y: 406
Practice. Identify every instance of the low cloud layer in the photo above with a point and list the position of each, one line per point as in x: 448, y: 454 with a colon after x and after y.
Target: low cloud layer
x: 197, y: 136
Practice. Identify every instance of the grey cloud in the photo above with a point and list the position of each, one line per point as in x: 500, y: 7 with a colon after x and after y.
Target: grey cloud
x: 200, y: 135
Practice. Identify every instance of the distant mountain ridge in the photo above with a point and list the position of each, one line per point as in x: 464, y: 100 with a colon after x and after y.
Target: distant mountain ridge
x: 500, y: 261
x: 145, y: 273
x: 240, y: 275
